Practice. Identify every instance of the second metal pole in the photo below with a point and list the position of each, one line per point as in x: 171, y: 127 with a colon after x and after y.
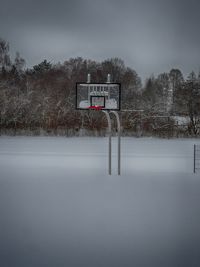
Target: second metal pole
x: 194, y: 158
x: 119, y: 140
x: 109, y: 140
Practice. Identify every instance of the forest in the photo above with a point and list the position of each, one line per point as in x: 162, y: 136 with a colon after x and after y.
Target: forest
x: 41, y: 100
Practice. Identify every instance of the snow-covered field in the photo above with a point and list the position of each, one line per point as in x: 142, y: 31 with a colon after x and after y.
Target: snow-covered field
x: 58, y: 206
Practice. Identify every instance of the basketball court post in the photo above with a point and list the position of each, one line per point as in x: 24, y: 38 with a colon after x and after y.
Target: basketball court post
x: 103, y: 97
x: 119, y: 140
x: 88, y: 78
x: 109, y: 140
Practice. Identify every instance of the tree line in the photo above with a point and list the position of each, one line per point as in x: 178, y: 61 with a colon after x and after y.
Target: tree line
x: 41, y: 99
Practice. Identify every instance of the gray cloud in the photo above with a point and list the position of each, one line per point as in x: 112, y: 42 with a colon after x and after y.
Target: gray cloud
x: 151, y: 36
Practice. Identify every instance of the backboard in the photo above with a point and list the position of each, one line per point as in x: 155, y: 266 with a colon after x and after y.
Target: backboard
x: 105, y: 96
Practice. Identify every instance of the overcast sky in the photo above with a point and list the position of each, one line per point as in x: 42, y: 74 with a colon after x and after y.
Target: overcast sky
x: 151, y: 36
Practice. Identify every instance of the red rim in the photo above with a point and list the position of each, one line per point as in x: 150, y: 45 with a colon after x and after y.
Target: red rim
x: 95, y: 107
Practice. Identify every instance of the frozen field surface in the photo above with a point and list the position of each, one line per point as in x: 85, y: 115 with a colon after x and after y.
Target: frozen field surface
x: 58, y: 206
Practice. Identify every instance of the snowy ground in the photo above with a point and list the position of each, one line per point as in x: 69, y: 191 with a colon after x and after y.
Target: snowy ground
x: 58, y: 206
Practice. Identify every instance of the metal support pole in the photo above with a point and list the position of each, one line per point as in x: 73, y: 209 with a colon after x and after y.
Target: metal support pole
x: 88, y: 81
x: 109, y: 140
x: 108, y: 78
x: 194, y: 158
x: 119, y: 140
x: 88, y: 78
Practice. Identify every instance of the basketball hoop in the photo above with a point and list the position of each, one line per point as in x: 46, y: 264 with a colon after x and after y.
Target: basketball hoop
x: 98, y: 96
x: 105, y: 97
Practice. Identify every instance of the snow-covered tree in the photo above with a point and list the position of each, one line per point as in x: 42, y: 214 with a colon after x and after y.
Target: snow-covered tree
x: 5, y: 61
